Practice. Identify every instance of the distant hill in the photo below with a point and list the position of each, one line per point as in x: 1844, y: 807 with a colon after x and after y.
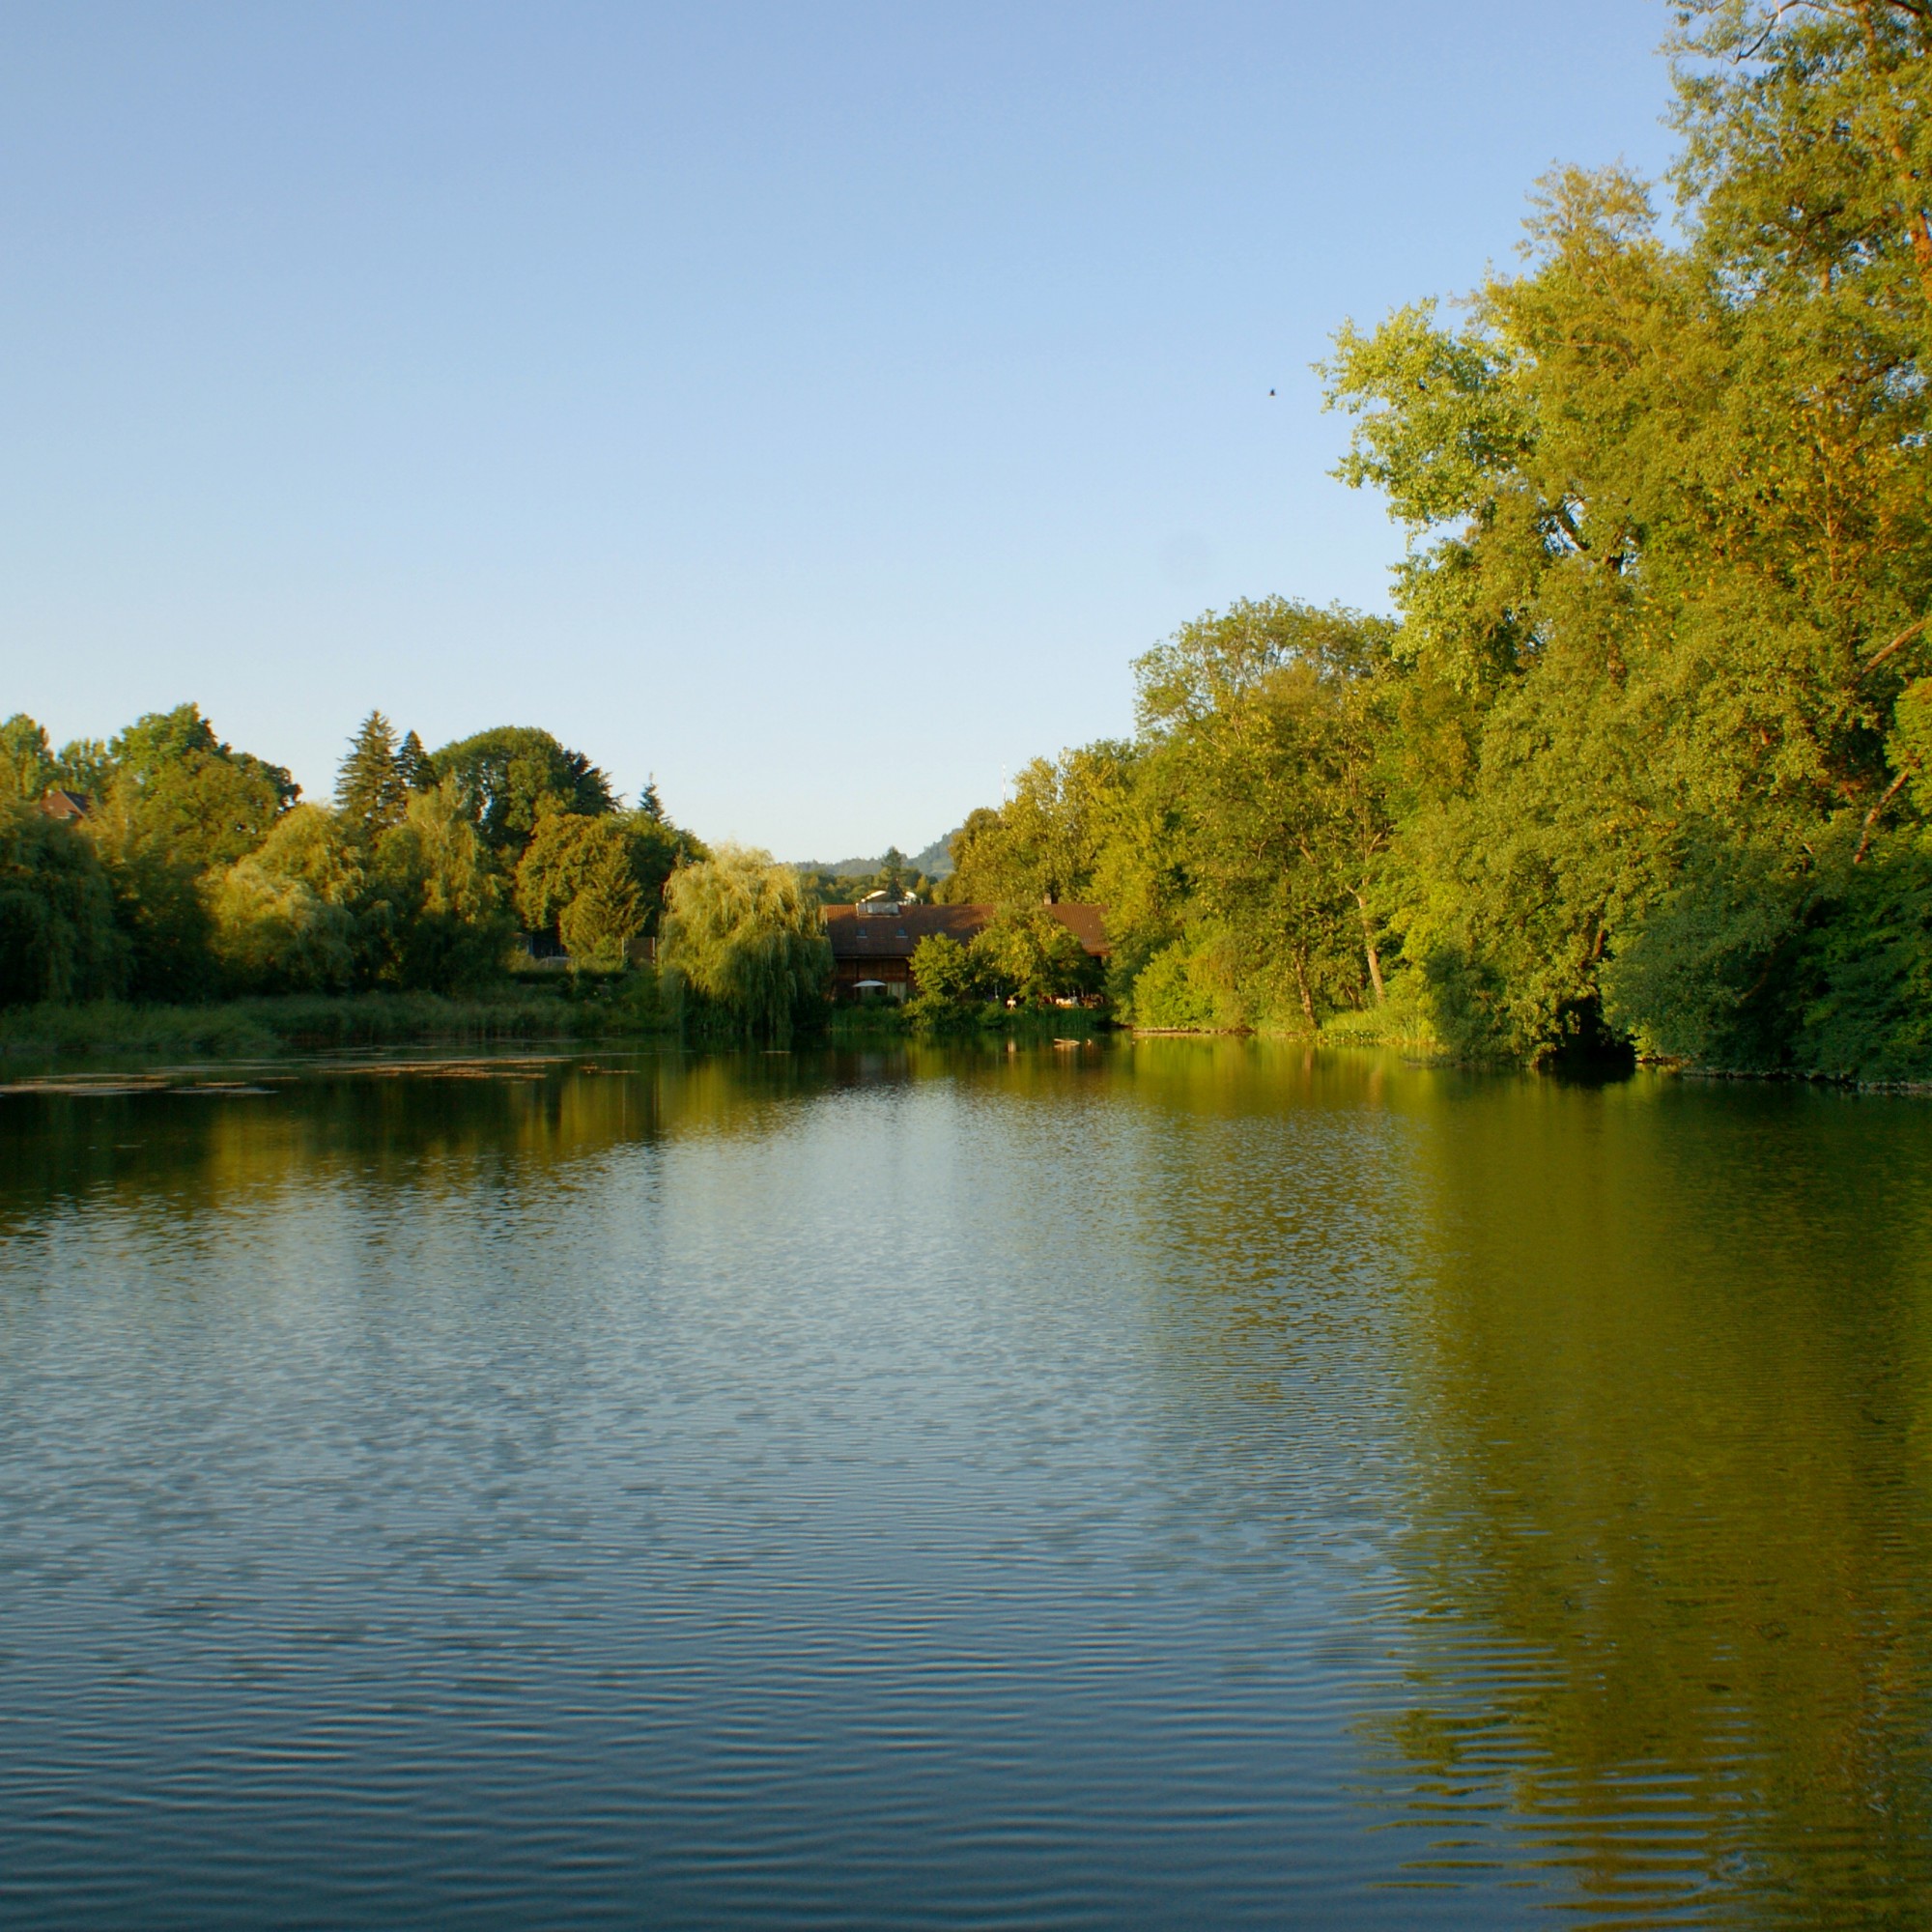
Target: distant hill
x: 935, y: 861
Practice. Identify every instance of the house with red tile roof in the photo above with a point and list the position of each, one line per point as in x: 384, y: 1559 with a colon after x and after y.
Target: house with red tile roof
x: 59, y: 803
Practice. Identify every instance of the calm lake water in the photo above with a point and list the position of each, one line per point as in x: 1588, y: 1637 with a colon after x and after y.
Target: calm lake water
x: 1175, y: 1482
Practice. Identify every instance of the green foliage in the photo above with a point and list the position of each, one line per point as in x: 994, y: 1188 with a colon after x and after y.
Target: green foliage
x: 438, y: 919
x: 1669, y: 563
x: 1807, y: 147
x: 895, y: 875
x: 178, y: 787
x: 57, y: 934
x: 285, y: 918
x: 1648, y: 753
x: 159, y: 910
x: 84, y: 765
x: 1707, y: 974
x: 1869, y: 1012
x: 980, y: 838
x: 509, y: 778
x: 741, y: 934
x: 27, y: 765
x: 1651, y: 747
x: 595, y: 883
x: 317, y: 909
x: 943, y: 969
x: 1044, y: 841
x: 213, y: 881
x: 950, y: 985
x: 1024, y: 953
x: 1192, y: 986
x: 1908, y: 749
x: 578, y: 880
x: 415, y: 765
x: 373, y: 785
x: 217, y: 882
x: 177, y: 807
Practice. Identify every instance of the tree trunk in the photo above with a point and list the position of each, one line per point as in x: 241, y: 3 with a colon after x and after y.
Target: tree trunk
x: 1374, y: 958
x: 1301, y: 987
x: 1872, y: 816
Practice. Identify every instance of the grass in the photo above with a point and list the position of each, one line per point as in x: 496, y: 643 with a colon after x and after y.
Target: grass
x: 305, y: 1022
x: 1401, y: 1020
x: 523, y: 1006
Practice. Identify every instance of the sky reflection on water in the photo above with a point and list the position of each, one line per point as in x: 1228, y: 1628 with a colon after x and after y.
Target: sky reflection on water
x: 1176, y: 1481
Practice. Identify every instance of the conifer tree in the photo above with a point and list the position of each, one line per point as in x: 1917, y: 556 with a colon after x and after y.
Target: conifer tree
x: 415, y: 765
x: 370, y: 788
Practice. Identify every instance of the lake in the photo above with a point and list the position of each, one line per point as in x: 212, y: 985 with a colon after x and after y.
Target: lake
x: 1163, y: 1482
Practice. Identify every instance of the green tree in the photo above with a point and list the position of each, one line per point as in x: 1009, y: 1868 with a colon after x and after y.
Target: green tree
x: 84, y: 765
x: 945, y: 971
x: 438, y: 911
x: 1865, y: 971
x: 1669, y: 563
x: 1270, y: 720
x: 741, y: 933
x: 284, y: 919
x: 656, y: 848
x: 28, y: 766
x: 372, y: 785
x: 594, y: 884
x: 949, y: 984
x: 57, y: 933
x: 182, y: 786
x: 417, y: 768
x: 1024, y: 953
x: 577, y: 880
x: 178, y: 807
x: 1043, y: 843
x: 510, y: 776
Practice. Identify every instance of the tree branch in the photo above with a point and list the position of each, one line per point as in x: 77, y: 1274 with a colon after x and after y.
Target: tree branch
x: 1891, y: 791
x: 1898, y: 643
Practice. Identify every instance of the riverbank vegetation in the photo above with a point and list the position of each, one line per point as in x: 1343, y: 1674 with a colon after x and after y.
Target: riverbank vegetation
x: 188, y: 872
x: 164, y: 891
x: 1643, y: 761
x: 556, y: 1007
x: 188, y: 894
x: 1647, y: 757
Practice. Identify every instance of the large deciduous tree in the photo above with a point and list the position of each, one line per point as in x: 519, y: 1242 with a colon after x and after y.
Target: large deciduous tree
x: 1669, y: 570
x: 510, y: 776
x: 57, y: 933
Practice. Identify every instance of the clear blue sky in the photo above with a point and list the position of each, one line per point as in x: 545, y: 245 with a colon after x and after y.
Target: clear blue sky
x: 816, y: 405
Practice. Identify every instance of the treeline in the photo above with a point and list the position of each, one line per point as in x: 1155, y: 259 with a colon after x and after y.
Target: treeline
x: 193, y: 870
x: 1648, y: 756
x: 894, y: 874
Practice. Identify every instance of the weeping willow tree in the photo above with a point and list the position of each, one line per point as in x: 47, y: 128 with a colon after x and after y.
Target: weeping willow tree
x: 740, y: 934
